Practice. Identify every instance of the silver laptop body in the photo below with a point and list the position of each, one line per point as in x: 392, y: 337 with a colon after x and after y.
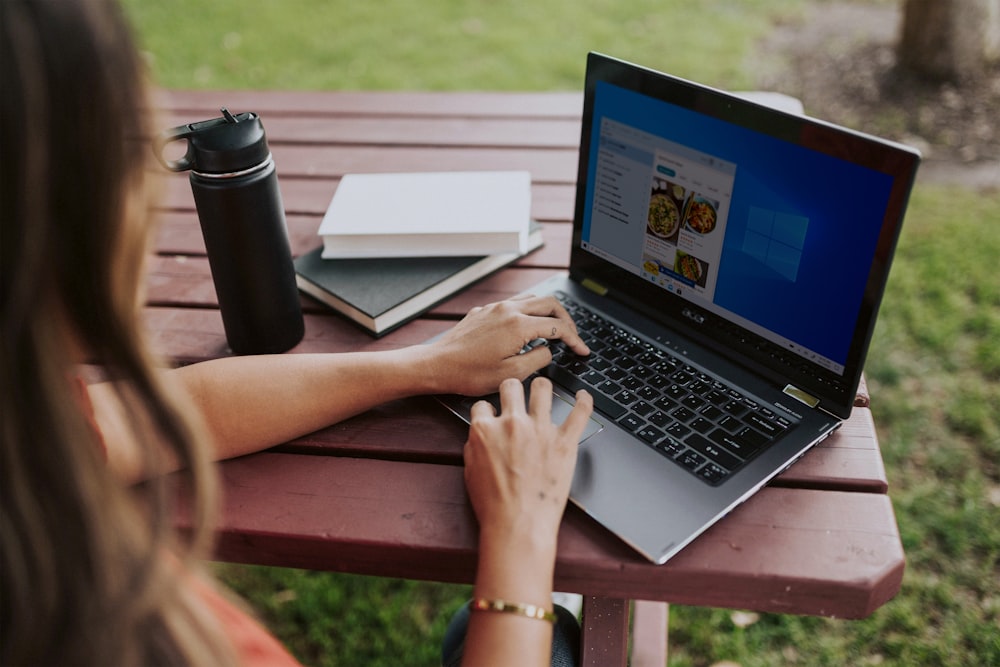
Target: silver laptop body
x: 730, y: 247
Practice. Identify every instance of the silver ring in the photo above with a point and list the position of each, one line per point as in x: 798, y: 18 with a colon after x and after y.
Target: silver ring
x: 243, y: 172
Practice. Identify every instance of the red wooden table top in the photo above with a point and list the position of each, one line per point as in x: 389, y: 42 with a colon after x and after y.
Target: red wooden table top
x: 367, y: 496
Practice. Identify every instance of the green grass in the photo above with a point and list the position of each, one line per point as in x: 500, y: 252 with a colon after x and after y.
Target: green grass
x: 934, y: 367
x: 441, y: 44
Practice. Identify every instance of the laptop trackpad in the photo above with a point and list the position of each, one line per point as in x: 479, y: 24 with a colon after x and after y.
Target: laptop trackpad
x: 561, y: 409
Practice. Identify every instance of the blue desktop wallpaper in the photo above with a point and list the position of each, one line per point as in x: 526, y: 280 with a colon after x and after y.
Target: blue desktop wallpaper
x: 802, y: 226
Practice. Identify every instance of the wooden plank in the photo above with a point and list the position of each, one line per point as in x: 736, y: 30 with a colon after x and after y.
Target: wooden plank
x: 552, y: 202
x: 179, y: 233
x: 410, y: 131
x: 386, y: 432
x: 796, y: 551
x: 185, y: 281
x: 604, y: 640
x: 545, y: 165
x: 189, y: 335
x: 650, y: 622
x: 373, y: 103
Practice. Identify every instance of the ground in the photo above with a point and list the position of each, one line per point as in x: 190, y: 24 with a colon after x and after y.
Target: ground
x: 839, y: 59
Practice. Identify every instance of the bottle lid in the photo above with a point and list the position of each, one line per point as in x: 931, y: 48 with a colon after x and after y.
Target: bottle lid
x: 217, y: 146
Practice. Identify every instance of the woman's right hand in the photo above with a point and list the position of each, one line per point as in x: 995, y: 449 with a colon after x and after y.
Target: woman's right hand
x: 518, y: 464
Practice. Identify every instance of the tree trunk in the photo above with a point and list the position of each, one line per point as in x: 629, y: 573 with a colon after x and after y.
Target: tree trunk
x: 949, y: 39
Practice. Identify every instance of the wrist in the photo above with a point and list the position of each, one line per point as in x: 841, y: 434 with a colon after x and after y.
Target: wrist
x: 516, y: 565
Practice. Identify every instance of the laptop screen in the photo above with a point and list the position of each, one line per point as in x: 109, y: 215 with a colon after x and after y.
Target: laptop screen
x: 735, y: 213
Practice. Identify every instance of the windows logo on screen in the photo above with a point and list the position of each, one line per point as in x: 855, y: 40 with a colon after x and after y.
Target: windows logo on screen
x: 776, y: 240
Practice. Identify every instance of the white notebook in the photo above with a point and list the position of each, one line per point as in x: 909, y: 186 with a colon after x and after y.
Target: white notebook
x: 437, y: 214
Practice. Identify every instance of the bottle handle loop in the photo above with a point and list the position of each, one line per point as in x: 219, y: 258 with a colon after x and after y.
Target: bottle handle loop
x: 181, y: 133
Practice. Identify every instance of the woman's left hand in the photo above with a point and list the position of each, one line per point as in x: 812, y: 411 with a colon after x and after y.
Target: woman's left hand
x: 485, y: 347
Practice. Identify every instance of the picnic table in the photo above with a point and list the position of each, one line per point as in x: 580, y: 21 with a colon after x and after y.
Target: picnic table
x: 383, y: 493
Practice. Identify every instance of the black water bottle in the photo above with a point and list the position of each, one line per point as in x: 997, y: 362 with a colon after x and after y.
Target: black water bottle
x: 235, y: 188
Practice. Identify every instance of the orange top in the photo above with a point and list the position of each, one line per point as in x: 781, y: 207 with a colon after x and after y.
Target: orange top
x: 254, y: 645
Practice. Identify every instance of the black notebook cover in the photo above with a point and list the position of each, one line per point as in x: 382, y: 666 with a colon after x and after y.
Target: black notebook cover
x: 381, y: 294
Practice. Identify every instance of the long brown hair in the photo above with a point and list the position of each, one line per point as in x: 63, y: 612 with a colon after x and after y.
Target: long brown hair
x: 84, y: 575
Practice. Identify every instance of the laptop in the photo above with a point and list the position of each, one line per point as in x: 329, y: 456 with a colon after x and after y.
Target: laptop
x: 728, y: 260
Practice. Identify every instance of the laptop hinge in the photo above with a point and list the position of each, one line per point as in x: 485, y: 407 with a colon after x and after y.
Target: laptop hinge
x: 801, y: 396
x: 595, y: 286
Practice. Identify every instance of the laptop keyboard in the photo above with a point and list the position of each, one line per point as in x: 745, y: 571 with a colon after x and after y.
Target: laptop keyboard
x: 698, y: 421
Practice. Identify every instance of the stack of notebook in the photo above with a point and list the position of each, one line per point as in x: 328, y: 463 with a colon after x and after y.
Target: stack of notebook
x: 396, y: 245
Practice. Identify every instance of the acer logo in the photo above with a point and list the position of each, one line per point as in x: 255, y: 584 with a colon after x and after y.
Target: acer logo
x: 691, y: 315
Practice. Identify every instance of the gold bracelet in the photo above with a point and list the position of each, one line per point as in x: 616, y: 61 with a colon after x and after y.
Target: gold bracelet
x: 526, y: 610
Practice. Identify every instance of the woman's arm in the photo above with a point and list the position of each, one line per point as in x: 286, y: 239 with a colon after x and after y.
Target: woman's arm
x: 518, y: 469
x: 253, y: 402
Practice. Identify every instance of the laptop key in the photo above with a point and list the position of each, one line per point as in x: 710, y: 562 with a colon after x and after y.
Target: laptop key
x: 616, y: 373
x: 658, y: 381
x: 691, y: 460
x: 599, y: 364
x: 648, y: 393
x: 643, y: 372
x: 650, y: 434
x: 678, y: 430
x: 682, y: 414
x: 716, y: 397
x: 729, y: 423
x: 744, y: 444
x: 664, y: 403
x: 766, y: 426
x: 698, y: 387
x: 626, y: 363
x: 711, y: 412
x: 702, y: 425
x: 676, y: 392
x: 712, y: 473
x: 612, y: 353
x: 632, y: 383
x: 660, y: 418
x: 736, y: 409
x: 626, y: 397
x: 712, y: 451
x: 680, y: 377
x: 608, y: 387
x: 642, y: 408
x: 631, y: 422
x: 671, y: 446
x: 597, y: 346
x: 692, y: 402
x: 754, y: 437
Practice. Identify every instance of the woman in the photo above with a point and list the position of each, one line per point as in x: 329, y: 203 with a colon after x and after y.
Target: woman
x: 92, y: 571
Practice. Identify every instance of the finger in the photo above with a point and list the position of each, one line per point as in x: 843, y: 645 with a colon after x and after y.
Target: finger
x: 564, y: 329
x: 540, y: 400
x: 512, y: 396
x: 542, y: 306
x: 482, y: 410
x: 561, y: 325
x: 578, y: 417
